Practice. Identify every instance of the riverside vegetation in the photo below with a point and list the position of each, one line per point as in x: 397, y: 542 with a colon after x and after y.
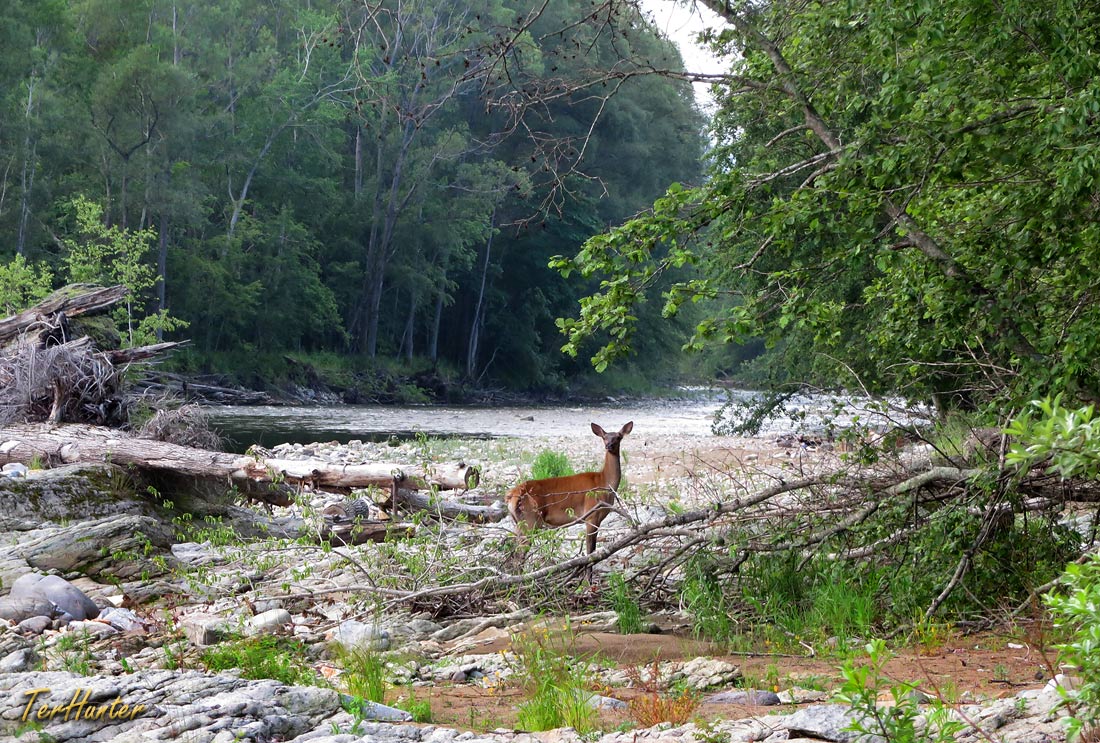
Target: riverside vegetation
x: 323, y: 179
x: 380, y: 623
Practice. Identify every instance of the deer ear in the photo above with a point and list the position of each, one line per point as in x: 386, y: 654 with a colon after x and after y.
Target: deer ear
x: 597, y: 430
x: 627, y: 428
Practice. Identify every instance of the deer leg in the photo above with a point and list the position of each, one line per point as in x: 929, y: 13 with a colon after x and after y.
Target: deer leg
x: 527, y: 523
x: 591, y: 526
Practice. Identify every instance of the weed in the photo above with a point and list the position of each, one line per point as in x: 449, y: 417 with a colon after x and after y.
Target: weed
x: 364, y: 673
x: 705, y: 601
x: 71, y: 653
x: 550, y: 463
x: 656, y: 703
x: 930, y: 634
x: 628, y: 612
x: 420, y: 709
x: 282, y: 659
x: 902, y: 722
x: 557, y: 683
x: 1076, y: 608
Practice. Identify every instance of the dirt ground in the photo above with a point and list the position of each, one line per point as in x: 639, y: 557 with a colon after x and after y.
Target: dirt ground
x: 962, y: 668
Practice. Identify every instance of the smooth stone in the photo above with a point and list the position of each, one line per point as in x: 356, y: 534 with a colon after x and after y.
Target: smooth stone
x: 63, y: 594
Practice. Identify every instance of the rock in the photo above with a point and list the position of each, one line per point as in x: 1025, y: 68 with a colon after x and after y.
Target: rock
x: 64, y: 595
x: 421, y: 627
x: 353, y: 635
x: 826, y: 722
x: 124, y: 620
x: 193, y: 553
x: 597, y: 701
x: 798, y: 695
x: 94, y: 629
x: 19, y: 661
x: 34, y: 625
x: 204, y: 629
x: 71, y: 493
x: 750, y: 697
x: 103, y: 595
x: 116, y: 546
x: 18, y: 609
x: 267, y: 623
x: 704, y: 673
x: 14, y: 469
x: 375, y: 711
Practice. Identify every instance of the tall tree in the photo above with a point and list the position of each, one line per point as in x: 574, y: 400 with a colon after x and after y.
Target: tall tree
x: 906, y: 189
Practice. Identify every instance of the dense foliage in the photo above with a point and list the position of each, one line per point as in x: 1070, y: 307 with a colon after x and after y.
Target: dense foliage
x: 384, y: 179
x: 904, y: 197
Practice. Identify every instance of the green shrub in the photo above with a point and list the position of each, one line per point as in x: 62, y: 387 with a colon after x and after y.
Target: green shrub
x: 706, y: 602
x: 623, y: 601
x: 550, y: 463
x: 904, y: 721
x: 1076, y: 609
x: 364, y: 674
x: 557, y: 683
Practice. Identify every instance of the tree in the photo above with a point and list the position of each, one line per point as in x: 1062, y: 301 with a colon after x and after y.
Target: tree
x: 917, y: 222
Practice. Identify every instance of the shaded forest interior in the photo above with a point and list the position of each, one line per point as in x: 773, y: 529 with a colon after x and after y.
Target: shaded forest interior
x: 383, y: 181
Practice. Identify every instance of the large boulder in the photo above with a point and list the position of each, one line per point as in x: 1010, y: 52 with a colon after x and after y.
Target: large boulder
x: 69, y: 493
x: 55, y: 591
x: 116, y: 546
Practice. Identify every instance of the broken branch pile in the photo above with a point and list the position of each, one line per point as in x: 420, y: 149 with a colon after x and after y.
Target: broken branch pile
x: 50, y: 372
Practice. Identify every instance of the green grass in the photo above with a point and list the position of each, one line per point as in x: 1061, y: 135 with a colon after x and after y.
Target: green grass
x: 628, y: 612
x: 364, y: 674
x: 282, y: 659
x: 557, y: 683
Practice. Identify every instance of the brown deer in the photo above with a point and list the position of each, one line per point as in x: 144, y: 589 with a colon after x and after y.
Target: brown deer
x: 561, y: 501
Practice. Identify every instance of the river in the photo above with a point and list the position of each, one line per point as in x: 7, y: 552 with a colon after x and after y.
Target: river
x: 690, y: 414
x: 271, y: 425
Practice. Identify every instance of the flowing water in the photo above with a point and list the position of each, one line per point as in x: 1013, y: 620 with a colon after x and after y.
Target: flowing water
x: 690, y: 414
x: 271, y: 425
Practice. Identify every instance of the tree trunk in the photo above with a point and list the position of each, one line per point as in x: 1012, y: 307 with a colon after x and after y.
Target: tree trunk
x: 72, y: 301
x: 162, y: 270
x: 411, y: 500
x: 433, y: 337
x: 476, y: 325
x: 73, y: 443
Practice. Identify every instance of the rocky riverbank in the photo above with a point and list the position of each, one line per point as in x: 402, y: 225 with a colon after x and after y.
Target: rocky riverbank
x: 115, y: 601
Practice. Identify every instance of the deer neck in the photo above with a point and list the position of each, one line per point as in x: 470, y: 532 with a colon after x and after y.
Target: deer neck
x: 612, y: 470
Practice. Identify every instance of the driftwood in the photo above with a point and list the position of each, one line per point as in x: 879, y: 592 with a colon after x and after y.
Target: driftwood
x: 346, y: 477
x: 69, y: 444
x: 47, y: 373
x: 51, y: 313
x: 197, y: 390
x: 358, y: 521
x: 433, y: 505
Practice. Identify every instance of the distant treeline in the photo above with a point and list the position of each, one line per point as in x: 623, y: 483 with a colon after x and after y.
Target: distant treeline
x: 387, y: 180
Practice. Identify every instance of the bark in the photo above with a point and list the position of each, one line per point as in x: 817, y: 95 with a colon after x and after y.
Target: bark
x: 479, y: 316
x: 72, y: 301
x: 412, y: 500
x: 80, y: 443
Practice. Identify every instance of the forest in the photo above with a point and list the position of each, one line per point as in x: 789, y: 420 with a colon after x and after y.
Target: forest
x: 358, y: 184
x: 885, y: 199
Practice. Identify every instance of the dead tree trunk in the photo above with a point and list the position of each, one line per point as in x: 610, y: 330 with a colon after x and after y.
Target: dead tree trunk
x: 69, y: 444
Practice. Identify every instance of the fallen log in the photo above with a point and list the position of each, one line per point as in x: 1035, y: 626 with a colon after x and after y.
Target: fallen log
x: 342, y: 477
x: 72, y: 301
x: 433, y: 505
x: 76, y: 442
x: 359, y: 521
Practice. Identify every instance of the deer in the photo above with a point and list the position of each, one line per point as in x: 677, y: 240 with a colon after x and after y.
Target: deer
x: 561, y: 501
